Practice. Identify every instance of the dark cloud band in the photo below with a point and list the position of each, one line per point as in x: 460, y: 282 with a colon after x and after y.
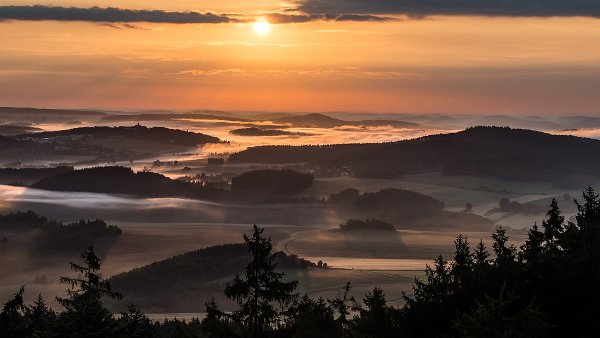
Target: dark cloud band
x: 420, y: 8
x: 299, y: 18
x: 118, y: 15
x: 97, y: 14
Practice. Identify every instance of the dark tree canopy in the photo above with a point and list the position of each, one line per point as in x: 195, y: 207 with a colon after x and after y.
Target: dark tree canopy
x: 51, y: 237
x: 267, y: 183
x: 262, y: 296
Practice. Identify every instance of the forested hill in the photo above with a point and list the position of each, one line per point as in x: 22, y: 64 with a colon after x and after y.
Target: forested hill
x: 482, y: 151
x: 252, y: 186
x: 123, y: 180
x: 186, y: 281
x: 323, y: 121
x: 156, y: 134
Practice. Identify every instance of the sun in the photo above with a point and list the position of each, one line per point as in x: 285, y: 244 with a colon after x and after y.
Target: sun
x: 262, y: 26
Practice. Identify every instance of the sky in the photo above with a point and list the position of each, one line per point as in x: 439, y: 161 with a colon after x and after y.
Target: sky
x: 383, y: 56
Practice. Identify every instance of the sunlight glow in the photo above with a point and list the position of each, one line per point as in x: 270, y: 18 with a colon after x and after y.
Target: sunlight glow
x: 262, y: 26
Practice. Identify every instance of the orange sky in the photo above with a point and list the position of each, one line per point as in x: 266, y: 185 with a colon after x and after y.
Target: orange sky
x: 434, y: 65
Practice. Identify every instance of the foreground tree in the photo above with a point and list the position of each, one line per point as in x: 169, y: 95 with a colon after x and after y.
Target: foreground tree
x: 313, y: 318
x: 376, y: 319
x: 85, y: 314
x: 498, y: 318
x: 135, y: 324
x: 261, y: 294
x: 13, y: 317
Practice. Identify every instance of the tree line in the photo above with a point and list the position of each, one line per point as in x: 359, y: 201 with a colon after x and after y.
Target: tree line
x: 548, y: 287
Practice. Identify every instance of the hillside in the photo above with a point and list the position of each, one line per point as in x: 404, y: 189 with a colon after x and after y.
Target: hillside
x: 515, y: 154
x: 253, y: 131
x: 260, y: 184
x: 404, y: 209
x: 46, y: 237
x: 37, y: 115
x: 252, y: 186
x: 168, y: 117
x: 122, y: 180
x: 185, y: 282
x: 11, y: 148
x: 137, y: 132
x: 28, y: 176
x: 324, y: 121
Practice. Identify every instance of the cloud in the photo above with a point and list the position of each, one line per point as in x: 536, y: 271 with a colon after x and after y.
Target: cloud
x: 106, y: 15
x: 111, y: 16
x: 299, y: 18
x: 423, y: 8
x: 123, y: 26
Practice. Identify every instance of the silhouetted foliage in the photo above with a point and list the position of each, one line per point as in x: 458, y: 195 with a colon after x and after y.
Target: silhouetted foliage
x: 312, y: 318
x: 13, y: 318
x: 262, y: 296
x: 85, y: 314
x: 376, y: 319
x: 497, y: 318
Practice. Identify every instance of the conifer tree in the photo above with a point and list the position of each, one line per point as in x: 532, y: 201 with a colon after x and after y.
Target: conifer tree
x: 314, y: 318
x: 463, y: 260
x: 553, y: 227
x: 135, y: 324
x: 376, y: 319
x: 481, y: 254
x: 505, y: 254
x: 261, y: 294
x: 13, y: 317
x: 499, y: 318
x: 41, y: 316
x: 85, y: 314
x: 342, y: 305
x: 532, y: 250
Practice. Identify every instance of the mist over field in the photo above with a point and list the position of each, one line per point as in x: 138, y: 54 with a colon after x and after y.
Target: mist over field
x: 304, y: 222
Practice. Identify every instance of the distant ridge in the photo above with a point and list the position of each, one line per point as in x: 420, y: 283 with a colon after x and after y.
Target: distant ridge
x: 156, y: 134
x: 28, y: 110
x: 168, y: 117
x: 316, y: 120
x: 515, y: 154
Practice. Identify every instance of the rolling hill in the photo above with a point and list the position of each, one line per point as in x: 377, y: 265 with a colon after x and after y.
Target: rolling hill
x: 137, y: 132
x: 323, y: 121
x: 188, y: 280
x: 515, y: 154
